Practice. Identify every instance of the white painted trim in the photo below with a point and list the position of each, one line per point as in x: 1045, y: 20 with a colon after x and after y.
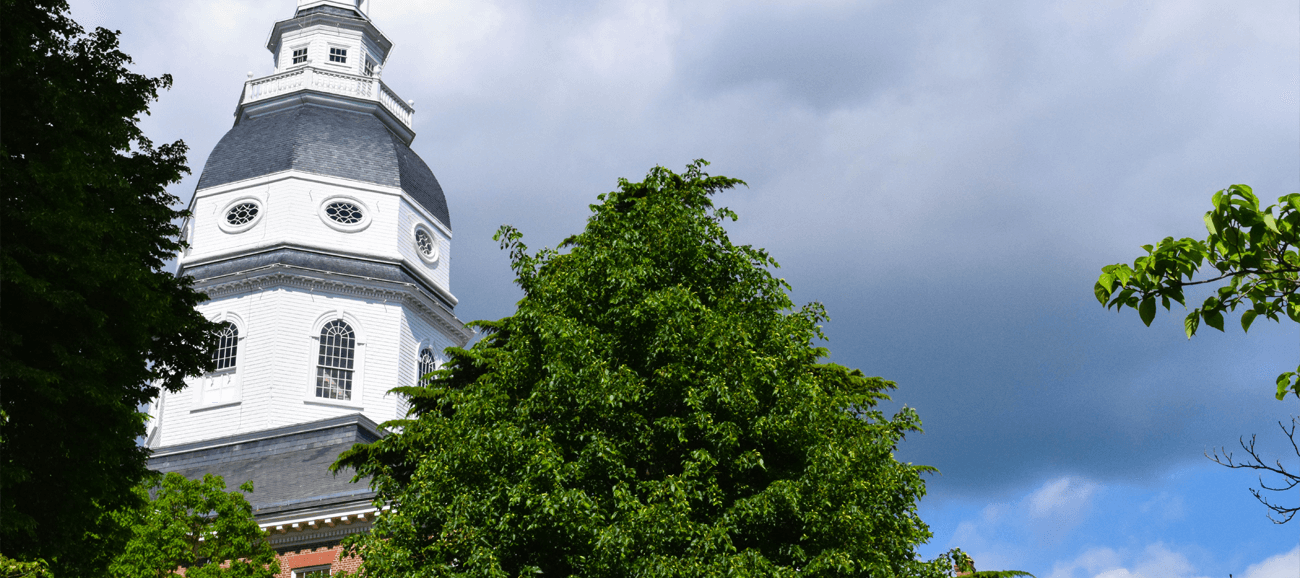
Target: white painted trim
x: 255, y: 248
x: 216, y: 406
x: 321, y: 179
x: 363, y: 515
x: 294, y: 573
x: 324, y: 401
x: 385, y: 259
x: 344, y: 285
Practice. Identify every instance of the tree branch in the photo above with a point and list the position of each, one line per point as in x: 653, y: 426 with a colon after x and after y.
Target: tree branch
x: 1242, y: 273
x: 1290, y: 480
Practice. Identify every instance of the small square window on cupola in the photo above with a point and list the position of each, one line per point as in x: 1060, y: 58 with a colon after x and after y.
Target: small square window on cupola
x: 338, y: 55
x: 300, y: 55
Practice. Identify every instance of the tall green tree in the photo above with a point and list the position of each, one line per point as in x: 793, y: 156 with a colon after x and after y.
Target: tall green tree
x: 196, y: 525
x: 1252, y: 254
x: 656, y: 406
x: 93, y: 326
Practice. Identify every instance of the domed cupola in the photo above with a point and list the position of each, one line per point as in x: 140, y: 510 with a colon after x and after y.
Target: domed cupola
x: 321, y: 239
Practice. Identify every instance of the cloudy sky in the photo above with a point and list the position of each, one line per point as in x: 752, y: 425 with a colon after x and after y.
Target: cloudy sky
x: 947, y: 177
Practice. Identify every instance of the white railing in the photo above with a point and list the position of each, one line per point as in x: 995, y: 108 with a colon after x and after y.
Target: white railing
x: 404, y: 112
x: 309, y: 78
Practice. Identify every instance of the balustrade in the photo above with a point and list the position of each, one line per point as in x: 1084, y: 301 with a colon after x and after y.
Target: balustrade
x: 351, y: 85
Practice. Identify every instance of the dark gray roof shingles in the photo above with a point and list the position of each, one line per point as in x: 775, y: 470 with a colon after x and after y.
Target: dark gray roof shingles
x: 288, y: 466
x: 324, y: 141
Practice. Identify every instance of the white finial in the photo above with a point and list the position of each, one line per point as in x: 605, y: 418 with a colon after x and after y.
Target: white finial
x: 411, y: 102
x: 250, y: 75
x: 379, y: 68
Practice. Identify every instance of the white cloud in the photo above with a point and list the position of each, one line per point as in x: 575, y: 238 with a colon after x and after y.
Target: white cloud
x: 1155, y: 561
x: 1159, y: 561
x: 998, y: 538
x: 1061, y: 498
x: 1281, y: 566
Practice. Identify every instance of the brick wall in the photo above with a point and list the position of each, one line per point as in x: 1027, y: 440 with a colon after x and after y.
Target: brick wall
x: 291, y: 560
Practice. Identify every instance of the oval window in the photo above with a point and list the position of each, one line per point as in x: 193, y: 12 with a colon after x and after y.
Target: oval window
x: 240, y: 215
x: 344, y: 213
x: 426, y: 245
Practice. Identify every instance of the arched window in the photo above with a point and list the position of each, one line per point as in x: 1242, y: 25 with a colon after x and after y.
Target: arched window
x: 427, y: 365
x: 227, y: 346
x: 338, y: 348
x: 222, y: 385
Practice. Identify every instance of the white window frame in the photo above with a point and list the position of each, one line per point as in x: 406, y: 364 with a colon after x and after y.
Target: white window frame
x: 236, y: 229
x: 437, y: 361
x: 307, y: 55
x: 204, y: 399
x: 300, y: 572
x: 347, y: 55
x: 403, y: 403
x: 358, y: 362
x: 366, y: 213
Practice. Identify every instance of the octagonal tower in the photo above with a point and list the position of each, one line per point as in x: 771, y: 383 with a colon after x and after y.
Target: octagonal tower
x: 324, y: 244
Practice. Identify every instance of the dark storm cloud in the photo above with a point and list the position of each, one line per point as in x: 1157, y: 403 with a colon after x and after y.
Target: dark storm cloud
x: 822, y: 56
x: 948, y: 177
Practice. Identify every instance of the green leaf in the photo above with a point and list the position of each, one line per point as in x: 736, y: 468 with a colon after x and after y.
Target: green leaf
x: 1271, y: 223
x: 1101, y: 292
x: 1214, y: 319
x: 1247, y: 318
x: 1287, y: 384
x: 1147, y: 310
x: 1191, y: 324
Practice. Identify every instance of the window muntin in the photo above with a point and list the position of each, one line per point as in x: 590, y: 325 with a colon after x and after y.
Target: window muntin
x: 299, y: 55
x: 426, y: 245
x: 227, y: 346
x: 428, y: 364
x: 339, y: 55
x: 370, y: 67
x: 344, y: 213
x: 335, y: 363
x: 242, y: 214
x: 321, y: 572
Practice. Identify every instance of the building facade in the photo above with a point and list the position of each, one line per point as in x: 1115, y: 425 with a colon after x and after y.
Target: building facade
x: 324, y: 244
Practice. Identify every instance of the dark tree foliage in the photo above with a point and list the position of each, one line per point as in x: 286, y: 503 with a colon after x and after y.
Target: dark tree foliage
x: 656, y: 406
x: 92, y: 325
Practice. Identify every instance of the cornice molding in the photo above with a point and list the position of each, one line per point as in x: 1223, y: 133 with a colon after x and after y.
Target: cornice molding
x: 279, y: 275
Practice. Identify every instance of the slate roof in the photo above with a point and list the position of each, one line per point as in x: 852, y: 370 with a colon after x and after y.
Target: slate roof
x: 323, y: 141
x: 289, y: 466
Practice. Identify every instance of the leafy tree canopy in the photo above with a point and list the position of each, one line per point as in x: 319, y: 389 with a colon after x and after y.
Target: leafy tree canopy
x: 92, y: 325
x: 963, y: 565
x: 1252, y: 253
x: 654, y: 407
x: 196, y: 525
